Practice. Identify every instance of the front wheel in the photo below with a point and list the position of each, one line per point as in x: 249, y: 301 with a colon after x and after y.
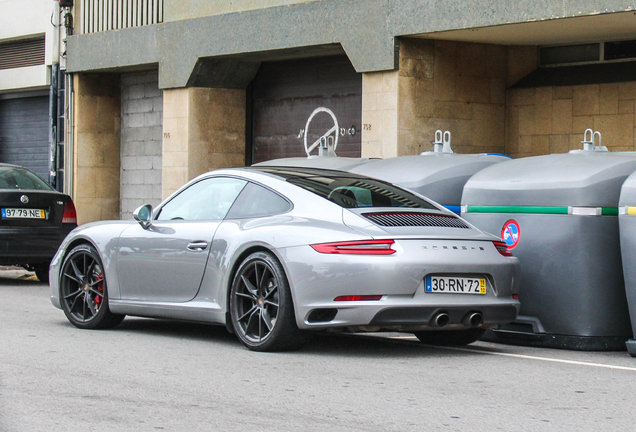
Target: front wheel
x: 261, y: 306
x: 450, y: 337
x: 83, y: 290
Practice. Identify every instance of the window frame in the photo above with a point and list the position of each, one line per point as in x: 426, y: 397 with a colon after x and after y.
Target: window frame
x: 255, y: 183
x: 157, y: 212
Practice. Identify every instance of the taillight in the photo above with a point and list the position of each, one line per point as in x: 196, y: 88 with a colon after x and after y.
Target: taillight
x: 70, y: 215
x: 358, y: 298
x: 502, y: 248
x: 364, y: 247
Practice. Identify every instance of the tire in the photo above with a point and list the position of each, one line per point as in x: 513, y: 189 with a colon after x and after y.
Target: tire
x: 450, y: 337
x: 83, y: 290
x: 42, y: 272
x: 261, y: 306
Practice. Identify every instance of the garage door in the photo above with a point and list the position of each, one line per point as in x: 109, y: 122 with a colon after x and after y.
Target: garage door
x: 24, y: 136
x: 296, y: 102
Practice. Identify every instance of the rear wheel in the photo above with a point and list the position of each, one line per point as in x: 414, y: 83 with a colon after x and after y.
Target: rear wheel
x: 261, y: 306
x: 83, y: 290
x: 450, y: 337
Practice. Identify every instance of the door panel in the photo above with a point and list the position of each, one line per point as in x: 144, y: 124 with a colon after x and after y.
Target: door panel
x: 165, y: 262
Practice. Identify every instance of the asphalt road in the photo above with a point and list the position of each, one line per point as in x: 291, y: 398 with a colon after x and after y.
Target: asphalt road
x: 149, y: 375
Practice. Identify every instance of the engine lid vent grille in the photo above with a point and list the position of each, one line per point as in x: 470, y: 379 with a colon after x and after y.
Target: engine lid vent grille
x: 415, y: 219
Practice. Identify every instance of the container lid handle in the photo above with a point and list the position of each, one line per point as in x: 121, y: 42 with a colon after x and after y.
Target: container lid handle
x: 590, y: 144
x: 442, y: 143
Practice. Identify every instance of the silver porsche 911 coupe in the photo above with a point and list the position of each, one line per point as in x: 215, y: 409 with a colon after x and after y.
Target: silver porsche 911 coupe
x: 276, y: 252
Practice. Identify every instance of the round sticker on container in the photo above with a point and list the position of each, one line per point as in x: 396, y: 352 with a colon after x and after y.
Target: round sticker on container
x: 510, y: 233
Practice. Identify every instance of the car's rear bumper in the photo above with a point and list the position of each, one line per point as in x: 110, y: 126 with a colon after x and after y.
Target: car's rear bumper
x: 320, y: 280
x: 412, y: 318
x: 31, y: 245
x: 411, y: 314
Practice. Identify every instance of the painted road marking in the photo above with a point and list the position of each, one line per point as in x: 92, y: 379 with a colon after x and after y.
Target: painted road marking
x: 523, y: 356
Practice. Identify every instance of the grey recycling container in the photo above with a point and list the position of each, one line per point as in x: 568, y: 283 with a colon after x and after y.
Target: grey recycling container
x: 627, y: 225
x: 559, y: 215
x: 326, y: 162
x: 439, y: 175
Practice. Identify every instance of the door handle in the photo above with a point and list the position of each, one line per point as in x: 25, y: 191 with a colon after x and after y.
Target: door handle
x: 197, y: 245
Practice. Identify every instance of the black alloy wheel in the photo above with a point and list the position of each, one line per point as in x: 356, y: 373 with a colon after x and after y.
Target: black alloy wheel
x: 450, y: 337
x: 83, y: 290
x: 261, y: 307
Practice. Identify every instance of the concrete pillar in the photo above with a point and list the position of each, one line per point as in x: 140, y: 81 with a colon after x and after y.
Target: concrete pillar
x: 203, y: 129
x: 380, y: 114
x: 96, y: 162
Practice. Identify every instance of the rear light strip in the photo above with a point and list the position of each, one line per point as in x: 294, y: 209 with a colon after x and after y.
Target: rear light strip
x: 70, y: 215
x: 364, y: 247
x: 502, y: 248
x: 358, y: 298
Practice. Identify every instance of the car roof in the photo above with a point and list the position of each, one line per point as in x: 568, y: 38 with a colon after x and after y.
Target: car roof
x: 285, y: 172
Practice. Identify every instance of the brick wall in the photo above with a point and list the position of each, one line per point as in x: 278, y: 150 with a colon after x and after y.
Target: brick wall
x: 96, y: 136
x: 548, y: 120
x: 454, y: 86
x: 203, y: 129
x: 141, y: 141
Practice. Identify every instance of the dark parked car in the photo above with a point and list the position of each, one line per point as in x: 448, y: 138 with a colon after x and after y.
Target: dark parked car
x: 34, y: 220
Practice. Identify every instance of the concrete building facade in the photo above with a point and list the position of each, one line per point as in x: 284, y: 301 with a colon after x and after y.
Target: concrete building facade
x: 230, y: 83
x: 32, y: 130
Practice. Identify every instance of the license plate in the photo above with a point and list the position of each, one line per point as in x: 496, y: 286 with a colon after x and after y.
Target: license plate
x: 16, y: 213
x: 455, y: 285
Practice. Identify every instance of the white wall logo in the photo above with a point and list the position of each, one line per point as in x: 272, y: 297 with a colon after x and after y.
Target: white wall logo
x: 330, y: 136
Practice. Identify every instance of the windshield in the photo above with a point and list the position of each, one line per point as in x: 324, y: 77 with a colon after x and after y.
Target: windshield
x: 352, y: 191
x: 19, y: 178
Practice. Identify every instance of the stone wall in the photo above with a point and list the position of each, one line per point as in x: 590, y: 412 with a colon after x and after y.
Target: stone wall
x: 452, y: 86
x: 459, y: 87
x: 547, y: 120
x: 380, y: 114
x: 204, y: 129
x: 97, y: 150
x: 141, y: 141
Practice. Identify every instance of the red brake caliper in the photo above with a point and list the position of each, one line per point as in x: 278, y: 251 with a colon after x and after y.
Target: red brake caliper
x: 100, y: 288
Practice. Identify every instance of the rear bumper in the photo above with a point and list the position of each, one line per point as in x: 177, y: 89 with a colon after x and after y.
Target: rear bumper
x: 409, y: 315
x: 317, y: 280
x: 31, y: 245
x: 413, y: 318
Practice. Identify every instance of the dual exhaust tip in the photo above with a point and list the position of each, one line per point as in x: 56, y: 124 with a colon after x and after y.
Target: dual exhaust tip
x: 471, y: 319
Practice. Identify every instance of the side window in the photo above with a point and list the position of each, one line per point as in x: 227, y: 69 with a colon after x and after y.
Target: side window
x: 257, y: 201
x: 207, y: 199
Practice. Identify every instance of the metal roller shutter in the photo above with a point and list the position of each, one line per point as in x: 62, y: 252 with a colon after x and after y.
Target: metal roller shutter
x: 285, y: 94
x: 24, y: 133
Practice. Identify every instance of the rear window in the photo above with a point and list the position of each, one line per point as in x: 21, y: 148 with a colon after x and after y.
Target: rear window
x: 256, y: 201
x: 350, y: 191
x: 14, y: 178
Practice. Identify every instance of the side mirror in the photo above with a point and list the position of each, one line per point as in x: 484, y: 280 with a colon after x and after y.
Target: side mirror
x: 143, y: 215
